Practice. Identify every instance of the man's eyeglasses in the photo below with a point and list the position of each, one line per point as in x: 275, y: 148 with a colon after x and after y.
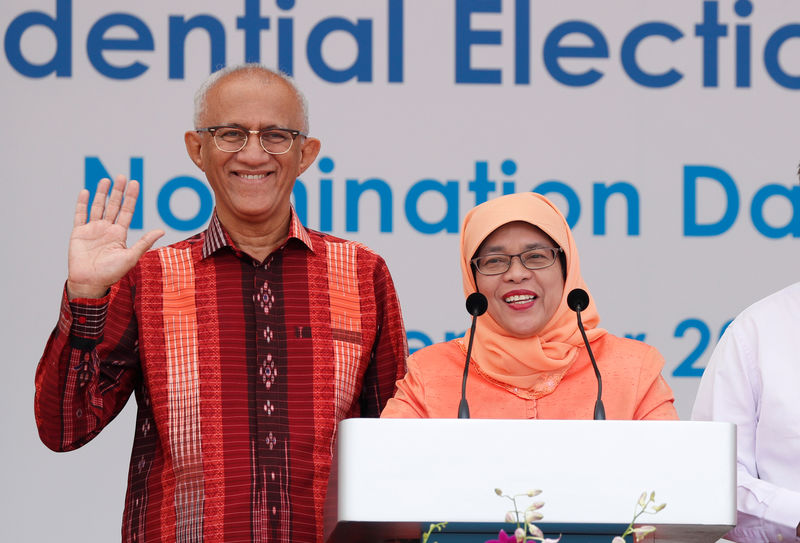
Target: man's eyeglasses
x: 231, y: 139
x: 533, y: 259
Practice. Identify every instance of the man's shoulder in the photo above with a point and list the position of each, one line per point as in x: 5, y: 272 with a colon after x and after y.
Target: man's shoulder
x: 342, y: 245
x: 784, y: 301
x: 774, y: 317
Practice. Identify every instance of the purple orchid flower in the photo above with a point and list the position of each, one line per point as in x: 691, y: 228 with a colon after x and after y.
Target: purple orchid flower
x: 503, y: 537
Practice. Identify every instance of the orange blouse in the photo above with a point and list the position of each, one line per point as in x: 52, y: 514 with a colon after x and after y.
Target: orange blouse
x: 633, y: 388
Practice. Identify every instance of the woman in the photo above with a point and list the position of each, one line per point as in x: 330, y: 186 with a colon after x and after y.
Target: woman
x: 528, y: 358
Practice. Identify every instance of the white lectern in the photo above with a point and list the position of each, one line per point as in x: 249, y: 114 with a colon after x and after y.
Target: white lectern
x: 392, y: 477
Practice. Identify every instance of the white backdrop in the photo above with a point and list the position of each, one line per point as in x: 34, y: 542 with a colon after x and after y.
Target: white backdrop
x: 688, y: 108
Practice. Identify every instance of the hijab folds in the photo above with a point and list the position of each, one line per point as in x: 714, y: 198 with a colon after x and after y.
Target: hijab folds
x: 530, y: 367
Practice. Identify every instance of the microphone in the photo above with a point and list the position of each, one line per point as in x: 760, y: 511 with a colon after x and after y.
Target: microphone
x: 578, y: 300
x: 476, y: 306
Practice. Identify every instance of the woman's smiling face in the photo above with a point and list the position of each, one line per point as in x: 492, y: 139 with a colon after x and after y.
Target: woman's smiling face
x: 522, y: 301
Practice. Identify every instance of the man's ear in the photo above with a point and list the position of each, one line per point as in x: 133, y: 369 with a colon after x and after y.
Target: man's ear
x: 308, y: 153
x: 194, y: 146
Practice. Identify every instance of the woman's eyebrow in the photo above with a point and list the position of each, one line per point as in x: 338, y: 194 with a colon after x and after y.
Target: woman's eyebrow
x: 499, y: 248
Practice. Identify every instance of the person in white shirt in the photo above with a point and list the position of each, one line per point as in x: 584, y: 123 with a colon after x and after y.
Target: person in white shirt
x: 753, y: 380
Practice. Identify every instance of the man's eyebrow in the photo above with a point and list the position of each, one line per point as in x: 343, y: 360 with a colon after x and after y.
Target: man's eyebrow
x: 268, y: 127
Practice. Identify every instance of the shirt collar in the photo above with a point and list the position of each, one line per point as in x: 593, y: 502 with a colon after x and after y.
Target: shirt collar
x: 217, y: 237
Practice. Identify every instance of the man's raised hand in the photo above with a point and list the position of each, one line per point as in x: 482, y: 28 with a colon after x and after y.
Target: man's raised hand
x: 98, y: 253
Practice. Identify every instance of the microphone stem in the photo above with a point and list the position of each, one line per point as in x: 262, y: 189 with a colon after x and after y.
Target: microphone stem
x: 599, y: 409
x: 463, y: 407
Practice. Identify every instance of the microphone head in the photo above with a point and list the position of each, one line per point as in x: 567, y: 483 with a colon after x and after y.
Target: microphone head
x: 477, y: 304
x: 578, y: 299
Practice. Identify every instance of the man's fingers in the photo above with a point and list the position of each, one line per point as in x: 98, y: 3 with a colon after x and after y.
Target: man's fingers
x: 81, y: 208
x: 115, y: 199
x: 99, y: 203
x: 128, y: 204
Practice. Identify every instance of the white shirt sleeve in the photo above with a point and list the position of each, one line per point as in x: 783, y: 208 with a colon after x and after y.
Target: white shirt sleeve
x: 763, y: 403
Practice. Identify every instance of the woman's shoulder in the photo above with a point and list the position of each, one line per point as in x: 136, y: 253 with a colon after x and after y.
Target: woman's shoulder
x: 446, y: 349
x: 623, y: 348
x: 610, y: 340
x: 436, y: 364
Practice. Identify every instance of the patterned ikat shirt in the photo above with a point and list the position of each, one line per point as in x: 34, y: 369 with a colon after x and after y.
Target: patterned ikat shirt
x: 241, y: 371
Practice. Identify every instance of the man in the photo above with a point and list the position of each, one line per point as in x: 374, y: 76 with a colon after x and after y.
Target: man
x: 244, y: 345
x: 753, y: 380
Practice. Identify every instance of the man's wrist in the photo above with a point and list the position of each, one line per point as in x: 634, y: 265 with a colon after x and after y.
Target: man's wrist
x: 84, y: 291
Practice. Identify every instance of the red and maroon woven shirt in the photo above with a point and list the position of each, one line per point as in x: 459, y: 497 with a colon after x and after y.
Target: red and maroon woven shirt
x: 241, y: 371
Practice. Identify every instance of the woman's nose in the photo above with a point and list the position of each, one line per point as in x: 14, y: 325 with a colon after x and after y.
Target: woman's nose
x: 516, y: 270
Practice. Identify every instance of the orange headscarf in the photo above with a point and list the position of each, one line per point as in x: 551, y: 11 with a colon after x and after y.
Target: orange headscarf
x: 528, y: 366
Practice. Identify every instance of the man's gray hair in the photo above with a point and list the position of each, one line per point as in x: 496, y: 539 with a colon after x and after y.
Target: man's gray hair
x: 254, y: 68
